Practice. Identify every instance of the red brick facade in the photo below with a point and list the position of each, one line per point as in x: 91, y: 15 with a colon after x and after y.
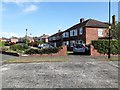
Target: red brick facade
x: 90, y: 31
x: 92, y: 34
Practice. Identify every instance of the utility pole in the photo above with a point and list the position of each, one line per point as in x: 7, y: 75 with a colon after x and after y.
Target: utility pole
x: 109, y: 50
x: 26, y: 36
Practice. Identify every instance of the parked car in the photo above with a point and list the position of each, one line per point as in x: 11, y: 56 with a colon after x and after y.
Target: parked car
x: 41, y: 46
x: 80, y: 48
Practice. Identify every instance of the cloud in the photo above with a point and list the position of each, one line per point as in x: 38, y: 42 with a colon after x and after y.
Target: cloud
x: 30, y: 8
x: 8, y: 34
x: 25, y: 5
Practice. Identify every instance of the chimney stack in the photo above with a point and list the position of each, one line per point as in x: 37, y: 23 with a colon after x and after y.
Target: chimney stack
x: 113, y: 20
x: 59, y: 31
x: 81, y: 20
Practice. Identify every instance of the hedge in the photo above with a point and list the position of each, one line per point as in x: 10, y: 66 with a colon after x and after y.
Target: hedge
x: 16, y: 47
x: 7, y: 44
x: 42, y: 51
x: 102, y: 46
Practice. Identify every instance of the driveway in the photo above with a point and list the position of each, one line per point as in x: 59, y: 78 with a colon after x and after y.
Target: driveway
x: 78, y: 72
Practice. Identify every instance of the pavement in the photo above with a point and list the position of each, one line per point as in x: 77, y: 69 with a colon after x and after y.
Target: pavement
x: 78, y: 72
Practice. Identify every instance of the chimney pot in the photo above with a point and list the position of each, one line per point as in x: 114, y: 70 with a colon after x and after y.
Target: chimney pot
x: 81, y: 20
x: 114, y: 20
x: 59, y: 31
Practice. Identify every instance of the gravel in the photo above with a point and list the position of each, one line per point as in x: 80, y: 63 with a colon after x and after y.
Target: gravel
x: 78, y: 72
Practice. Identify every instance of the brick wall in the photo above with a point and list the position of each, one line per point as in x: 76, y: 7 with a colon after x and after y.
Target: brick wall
x: 94, y: 52
x: 62, y: 52
x: 92, y: 34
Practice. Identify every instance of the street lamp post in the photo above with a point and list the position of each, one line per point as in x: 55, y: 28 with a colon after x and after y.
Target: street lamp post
x: 109, y: 29
x: 26, y: 36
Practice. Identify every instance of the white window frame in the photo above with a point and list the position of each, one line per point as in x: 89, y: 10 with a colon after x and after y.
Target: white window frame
x: 75, y: 32
x: 71, y: 43
x: 65, y: 34
x: 81, y: 31
x: 54, y: 44
x: 100, y: 32
x: 65, y: 43
x: 71, y: 33
x: 54, y: 38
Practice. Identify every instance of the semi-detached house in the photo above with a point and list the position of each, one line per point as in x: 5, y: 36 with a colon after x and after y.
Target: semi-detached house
x: 83, y: 32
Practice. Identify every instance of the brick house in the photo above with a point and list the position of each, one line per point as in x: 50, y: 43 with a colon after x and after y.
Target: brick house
x: 43, y: 38
x: 83, y: 32
x: 56, y: 39
x: 3, y: 39
x: 22, y: 40
x: 14, y: 39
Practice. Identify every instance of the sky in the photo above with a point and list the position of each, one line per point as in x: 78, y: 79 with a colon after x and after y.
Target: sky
x: 48, y: 17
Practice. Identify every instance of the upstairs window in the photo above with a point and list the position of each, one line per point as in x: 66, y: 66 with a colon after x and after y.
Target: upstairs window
x: 73, y: 33
x: 65, y: 34
x: 54, y: 38
x: 81, y: 31
x: 100, y: 32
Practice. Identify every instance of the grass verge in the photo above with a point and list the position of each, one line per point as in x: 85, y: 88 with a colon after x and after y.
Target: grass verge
x: 107, y: 59
x: 37, y: 60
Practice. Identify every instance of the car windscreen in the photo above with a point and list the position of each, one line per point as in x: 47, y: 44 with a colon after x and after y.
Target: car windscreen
x: 79, y: 46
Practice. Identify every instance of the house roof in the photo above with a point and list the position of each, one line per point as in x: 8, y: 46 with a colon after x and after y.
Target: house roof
x: 95, y: 23
x: 88, y: 23
x: 3, y: 38
x: 13, y: 37
x: 44, y: 36
x: 28, y: 37
x: 56, y: 34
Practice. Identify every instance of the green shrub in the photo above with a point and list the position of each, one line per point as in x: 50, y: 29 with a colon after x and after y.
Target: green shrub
x: 2, y: 44
x: 16, y: 47
x: 32, y: 51
x: 35, y: 44
x: 102, y: 46
x: 4, y: 49
x: 24, y: 46
x: 7, y: 44
x: 42, y: 51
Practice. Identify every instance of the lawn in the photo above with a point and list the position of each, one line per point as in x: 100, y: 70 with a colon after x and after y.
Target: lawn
x: 105, y: 58
x: 32, y: 59
x: 1, y: 44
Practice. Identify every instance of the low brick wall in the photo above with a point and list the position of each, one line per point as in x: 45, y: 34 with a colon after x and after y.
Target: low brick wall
x: 94, y: 52
x: 62, y: 52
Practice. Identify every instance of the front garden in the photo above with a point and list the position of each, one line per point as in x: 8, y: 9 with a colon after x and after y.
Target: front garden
x: 23, y: 49
x: 102, y: 46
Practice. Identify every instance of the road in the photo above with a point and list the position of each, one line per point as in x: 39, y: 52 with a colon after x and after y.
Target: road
x: 78, y: 72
